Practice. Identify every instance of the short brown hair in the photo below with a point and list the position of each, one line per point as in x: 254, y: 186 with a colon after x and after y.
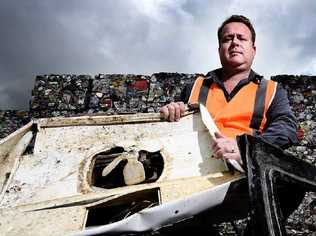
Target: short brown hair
x: 237, y: 18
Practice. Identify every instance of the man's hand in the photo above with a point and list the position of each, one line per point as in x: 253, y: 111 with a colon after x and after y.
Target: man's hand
x: 173, y: 111
x: 226, y: 148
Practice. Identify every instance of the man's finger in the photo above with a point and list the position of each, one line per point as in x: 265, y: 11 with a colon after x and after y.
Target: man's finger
x: 164, y: 112
x: 215, y: 145
x: 182, y: 108
x: 171, y: 110
x: 218, y: 154
x: 228, y: 155
x: 177, y: 114
x: 219, y: 135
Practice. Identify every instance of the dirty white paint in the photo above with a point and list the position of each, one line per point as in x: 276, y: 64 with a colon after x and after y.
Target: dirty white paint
x: 14, y: 156
x: 60, y: 166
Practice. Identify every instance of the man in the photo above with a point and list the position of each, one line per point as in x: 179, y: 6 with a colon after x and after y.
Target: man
x: 237, y: 81
x: 239, y: 100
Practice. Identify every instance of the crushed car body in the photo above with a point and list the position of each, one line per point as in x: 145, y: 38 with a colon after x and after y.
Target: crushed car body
x: 118, y: 174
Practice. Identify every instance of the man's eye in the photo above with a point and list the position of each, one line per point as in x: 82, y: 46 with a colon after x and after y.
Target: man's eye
x: 242, y: 38
x: 226, y: 39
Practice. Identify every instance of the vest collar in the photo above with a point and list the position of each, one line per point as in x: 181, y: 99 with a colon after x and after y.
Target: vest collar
x: 215, y: 75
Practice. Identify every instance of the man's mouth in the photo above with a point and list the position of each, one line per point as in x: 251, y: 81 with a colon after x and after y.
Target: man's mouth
x: 235, y: 52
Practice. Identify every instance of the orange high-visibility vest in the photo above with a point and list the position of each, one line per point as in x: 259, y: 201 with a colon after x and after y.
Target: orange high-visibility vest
x: 245, y: 113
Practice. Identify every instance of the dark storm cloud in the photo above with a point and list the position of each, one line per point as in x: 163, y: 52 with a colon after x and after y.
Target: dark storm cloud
x: 33, y: 41
x: 41, y: 37
x: 142, y: 37
x: 289, y: 35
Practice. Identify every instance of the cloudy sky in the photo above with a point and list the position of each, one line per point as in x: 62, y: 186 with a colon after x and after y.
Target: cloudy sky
x: 142, y: 37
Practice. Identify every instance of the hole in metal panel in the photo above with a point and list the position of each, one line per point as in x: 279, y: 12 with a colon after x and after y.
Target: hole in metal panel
x: 152, y: 162
x: 122, y: 207
x: 115, y: 178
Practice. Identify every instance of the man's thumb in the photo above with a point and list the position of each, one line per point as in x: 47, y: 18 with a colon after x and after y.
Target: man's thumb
x: 219, y: 135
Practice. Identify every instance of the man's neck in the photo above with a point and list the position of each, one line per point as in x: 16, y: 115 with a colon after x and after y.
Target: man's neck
x: 231, y: 78
x: 229, y: 75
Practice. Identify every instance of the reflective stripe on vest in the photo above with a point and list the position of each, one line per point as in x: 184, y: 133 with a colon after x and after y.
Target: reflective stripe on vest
x: 244, y: 113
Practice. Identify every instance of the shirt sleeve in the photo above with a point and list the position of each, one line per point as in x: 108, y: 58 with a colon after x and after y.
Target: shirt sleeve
x: 281, y: 123
x: 186, y: 92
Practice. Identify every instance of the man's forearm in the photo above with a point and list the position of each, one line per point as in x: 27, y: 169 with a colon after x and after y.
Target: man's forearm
x: 281, y: 122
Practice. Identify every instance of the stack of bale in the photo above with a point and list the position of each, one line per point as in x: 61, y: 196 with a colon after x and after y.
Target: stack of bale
x: 59, y: 95
x: 302, y: 97
x: 69, y: 95
x: 166, y: 88
x: 11, y: 120
x: 118, y: 94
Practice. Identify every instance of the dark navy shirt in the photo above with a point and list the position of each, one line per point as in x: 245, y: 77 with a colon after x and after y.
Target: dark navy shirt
x: 281, y: 123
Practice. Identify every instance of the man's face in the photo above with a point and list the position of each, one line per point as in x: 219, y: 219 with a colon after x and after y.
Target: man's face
x: 236, y: 49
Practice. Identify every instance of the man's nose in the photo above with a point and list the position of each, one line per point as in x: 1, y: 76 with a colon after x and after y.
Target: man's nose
x: 235, y: 39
